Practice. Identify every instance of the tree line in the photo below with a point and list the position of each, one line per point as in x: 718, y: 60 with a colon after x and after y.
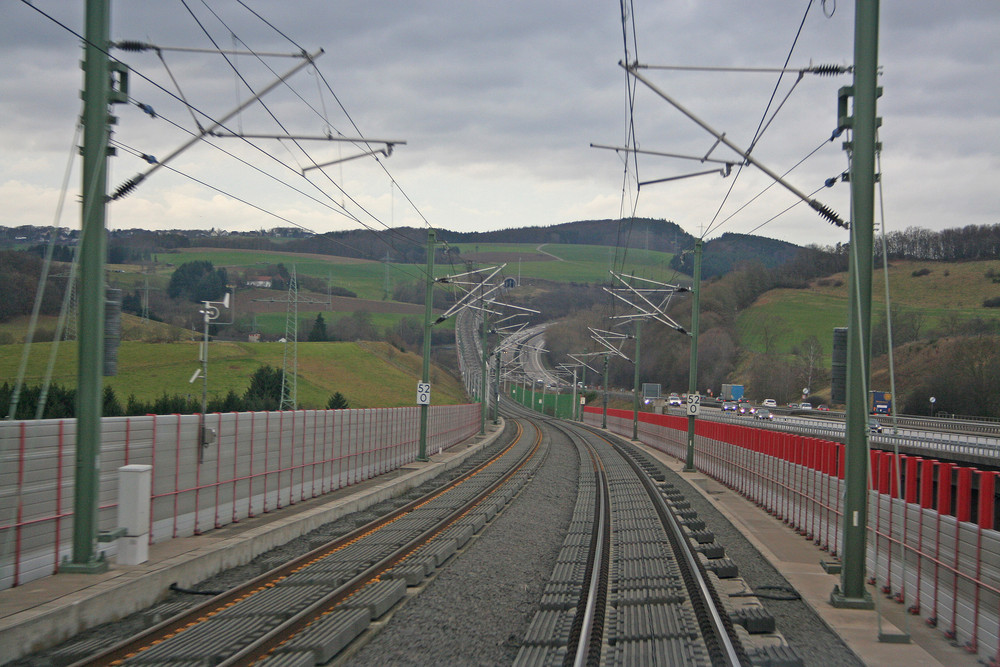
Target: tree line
x: 19, y: 274
x: 971, y: 242
x: 263, y: 393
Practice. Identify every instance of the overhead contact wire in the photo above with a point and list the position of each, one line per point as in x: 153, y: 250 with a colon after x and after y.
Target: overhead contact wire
x: 758, y: 133
x: 353, y: 124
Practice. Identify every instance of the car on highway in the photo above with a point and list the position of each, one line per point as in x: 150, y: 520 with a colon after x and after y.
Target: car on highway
x: 674, y: 399
x: 729, y: 406
x: 770, y: 403
x: 764, y: 413
x: 822, y: 407
x: 744, y: 409
x: 874, y: 426
x: 805, y: 406
x: 793, y: 406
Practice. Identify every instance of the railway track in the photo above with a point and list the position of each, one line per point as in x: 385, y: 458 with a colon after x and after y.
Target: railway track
x: 628, y: 587
x: 631, y: 584
x: 306, y: 611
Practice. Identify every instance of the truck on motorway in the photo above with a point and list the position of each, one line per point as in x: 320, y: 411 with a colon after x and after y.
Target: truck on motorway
x: 880, y: 403
x: 732, y: 392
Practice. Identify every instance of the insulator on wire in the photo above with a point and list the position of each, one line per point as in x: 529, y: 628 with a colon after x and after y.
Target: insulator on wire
x: 828, y: 213
x: 836, y: 133
x: 127, y: 187
x: 830, y: 182
x: 147, y: 109
x: 133, y: 45
x: 151, y: 159
x: 828, y: 70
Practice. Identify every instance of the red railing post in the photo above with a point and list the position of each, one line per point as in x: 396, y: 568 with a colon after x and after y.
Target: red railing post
x: 59, y: 486
x: 984, y: 520
x: 252, y: 472
x: 177, y: 472
x: 267, y: 455
x: 22, y: 435
x: 236, y: 471
x: 218, y: 466
x: 963, y: 513
x: 943, y: 508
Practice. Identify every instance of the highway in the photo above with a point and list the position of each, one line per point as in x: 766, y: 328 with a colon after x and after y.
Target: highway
x: 976, y: 443
x: 940, y: 438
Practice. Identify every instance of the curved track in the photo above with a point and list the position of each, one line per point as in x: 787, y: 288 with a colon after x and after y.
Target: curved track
x: 629, y: 586
x: 307, y: 610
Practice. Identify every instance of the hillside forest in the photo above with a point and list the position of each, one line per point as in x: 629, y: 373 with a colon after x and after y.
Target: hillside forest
x: 949, y: 355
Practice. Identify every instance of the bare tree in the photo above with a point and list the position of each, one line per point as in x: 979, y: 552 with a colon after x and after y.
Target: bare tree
x: 809, y: 354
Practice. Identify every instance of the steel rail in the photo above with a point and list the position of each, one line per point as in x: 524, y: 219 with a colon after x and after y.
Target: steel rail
x: 587, y: 634
x: 264, y: 645
x: 716, y: 627
x: 591, y: 628
x: 176, y: 624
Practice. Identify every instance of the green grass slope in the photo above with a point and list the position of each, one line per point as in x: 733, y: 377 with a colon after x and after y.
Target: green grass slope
x: 950, y: 290
x: 369, y: 374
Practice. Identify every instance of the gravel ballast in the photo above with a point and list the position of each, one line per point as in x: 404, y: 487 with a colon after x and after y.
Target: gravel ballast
x: 476, y: 611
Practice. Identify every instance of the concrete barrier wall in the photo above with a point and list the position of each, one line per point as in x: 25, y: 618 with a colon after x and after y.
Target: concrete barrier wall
x: 257, y: 463
x: 931, y: 542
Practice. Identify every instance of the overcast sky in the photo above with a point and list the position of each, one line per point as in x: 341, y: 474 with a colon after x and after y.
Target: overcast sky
x: 498, y: 103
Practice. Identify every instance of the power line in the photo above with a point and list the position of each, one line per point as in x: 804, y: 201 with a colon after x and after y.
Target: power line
x: 298, y: 145
x: 246, y: 202
x: 760, y: 125
x: 207, y: 116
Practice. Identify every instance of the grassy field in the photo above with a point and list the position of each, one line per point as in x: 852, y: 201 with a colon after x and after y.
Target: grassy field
x: 368, y: 374
x: 271, y: 324
x: 949, y: 290
x: 788, y: 317
x: 364, y: 278
x: 133, y: 329
x: 556, y: 262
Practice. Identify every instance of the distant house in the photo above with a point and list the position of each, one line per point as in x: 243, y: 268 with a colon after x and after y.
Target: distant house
x: 254, y: 338
x: 263, y: 282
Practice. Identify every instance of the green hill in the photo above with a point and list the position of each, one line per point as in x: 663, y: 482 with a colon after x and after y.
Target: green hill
x: 946, y: 296
x: 940, y: 325
x: 727, y: 252
x: 370, y: 375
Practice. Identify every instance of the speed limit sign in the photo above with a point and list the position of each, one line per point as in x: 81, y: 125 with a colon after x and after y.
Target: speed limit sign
x: 423, y: 393
x: 693, y: 404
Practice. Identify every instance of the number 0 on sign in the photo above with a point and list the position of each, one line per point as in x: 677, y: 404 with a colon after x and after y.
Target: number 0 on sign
x: 423, y: 393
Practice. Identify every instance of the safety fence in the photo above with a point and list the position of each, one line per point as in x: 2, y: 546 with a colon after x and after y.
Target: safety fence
x: 252, y: 463
x: 549, y: 403
x: 932, y: 539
